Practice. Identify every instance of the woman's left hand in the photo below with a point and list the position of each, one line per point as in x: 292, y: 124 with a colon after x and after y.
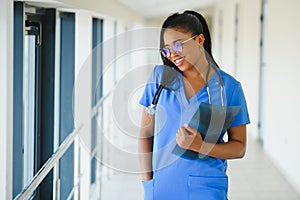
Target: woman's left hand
x: 189, y: 138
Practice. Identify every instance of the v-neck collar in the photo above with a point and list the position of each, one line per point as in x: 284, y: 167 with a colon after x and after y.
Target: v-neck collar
x: 195, y: 97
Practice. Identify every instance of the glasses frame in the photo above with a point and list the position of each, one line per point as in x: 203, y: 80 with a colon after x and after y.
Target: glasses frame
x: 166, y: 51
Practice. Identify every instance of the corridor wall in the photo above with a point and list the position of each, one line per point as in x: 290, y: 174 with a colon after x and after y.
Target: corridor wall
x: 269, y: 74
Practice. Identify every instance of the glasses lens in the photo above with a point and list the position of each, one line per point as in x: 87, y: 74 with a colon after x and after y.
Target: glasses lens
x: 177, y: 48
x: 165, y: 52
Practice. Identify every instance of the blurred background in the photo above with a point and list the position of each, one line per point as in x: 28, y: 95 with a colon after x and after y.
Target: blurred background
x: 72, y: 73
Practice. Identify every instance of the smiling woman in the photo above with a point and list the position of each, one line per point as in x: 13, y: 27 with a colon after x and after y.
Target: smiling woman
x: 191, y: 79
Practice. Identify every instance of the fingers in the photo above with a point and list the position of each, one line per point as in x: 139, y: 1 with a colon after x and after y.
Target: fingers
x: 180, y: 135
x: 183, y: 138
x: 191, y: 129
x: 187, y: 131
x: 189, y: 138
x: 182, y: 131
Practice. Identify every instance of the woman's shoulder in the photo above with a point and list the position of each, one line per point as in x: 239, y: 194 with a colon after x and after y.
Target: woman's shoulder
x: 233, y: 87
x: 158, y: 69
x: 228, y: 79
x: 156, y: 73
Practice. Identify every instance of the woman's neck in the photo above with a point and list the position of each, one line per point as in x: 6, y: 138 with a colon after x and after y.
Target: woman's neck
x: 199, y: 70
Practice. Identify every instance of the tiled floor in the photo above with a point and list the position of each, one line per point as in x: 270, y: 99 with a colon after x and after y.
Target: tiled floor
x: 252, y: 178
x: 256, y: 177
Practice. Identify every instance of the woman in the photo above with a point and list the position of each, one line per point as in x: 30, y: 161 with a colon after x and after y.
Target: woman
x: 186, y: 80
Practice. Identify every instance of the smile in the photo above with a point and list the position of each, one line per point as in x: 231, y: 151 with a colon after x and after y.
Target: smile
x: 179, y: 60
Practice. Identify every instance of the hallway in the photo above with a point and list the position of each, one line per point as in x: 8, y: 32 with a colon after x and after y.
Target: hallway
x: 253, y: 177
x: 72, y: 74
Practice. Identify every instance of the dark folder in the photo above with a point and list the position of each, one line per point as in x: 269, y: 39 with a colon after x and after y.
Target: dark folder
x: 212, y: 121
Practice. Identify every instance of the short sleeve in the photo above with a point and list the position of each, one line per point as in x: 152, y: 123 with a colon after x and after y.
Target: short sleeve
x: 238, y: 99
x: 151, y: 86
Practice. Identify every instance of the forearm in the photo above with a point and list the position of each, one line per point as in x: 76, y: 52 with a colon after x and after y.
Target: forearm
x: 228, y: 150
x: 145, y: 157
x: 189, y: 138
x: 146, y: 145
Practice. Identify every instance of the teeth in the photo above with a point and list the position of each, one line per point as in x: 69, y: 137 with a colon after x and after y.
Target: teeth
x: 178, y: 60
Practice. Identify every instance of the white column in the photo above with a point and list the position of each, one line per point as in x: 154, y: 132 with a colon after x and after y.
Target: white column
x: 6, y: 100
x: 82, y: 100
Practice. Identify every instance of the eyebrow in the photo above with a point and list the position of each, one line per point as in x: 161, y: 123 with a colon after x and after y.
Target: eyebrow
x: 166, y: 45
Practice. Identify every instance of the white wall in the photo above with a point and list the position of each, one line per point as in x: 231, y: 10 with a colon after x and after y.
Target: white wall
x: 280, y: 107
x: 6, y: 100
x: 282, y: 95
x: 247, y: 69
x: 226, y: 45
x: 248, y: 59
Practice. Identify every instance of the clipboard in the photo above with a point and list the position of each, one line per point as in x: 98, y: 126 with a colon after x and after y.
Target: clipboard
x: 212, y: 122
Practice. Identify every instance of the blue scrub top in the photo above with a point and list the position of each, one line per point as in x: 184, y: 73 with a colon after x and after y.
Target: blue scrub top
x: 175, y: 177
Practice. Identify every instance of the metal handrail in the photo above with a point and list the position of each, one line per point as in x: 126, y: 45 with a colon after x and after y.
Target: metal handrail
x: 46, y: 168
x: 100, y: 103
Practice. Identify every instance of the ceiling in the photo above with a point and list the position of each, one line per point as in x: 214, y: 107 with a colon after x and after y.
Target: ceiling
x: 160, y: 8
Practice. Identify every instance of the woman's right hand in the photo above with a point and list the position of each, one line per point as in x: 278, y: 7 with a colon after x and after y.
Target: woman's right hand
x: 147, y: 176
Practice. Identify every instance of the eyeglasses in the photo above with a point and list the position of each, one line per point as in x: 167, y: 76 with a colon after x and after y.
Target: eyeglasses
x: 177, y: 48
